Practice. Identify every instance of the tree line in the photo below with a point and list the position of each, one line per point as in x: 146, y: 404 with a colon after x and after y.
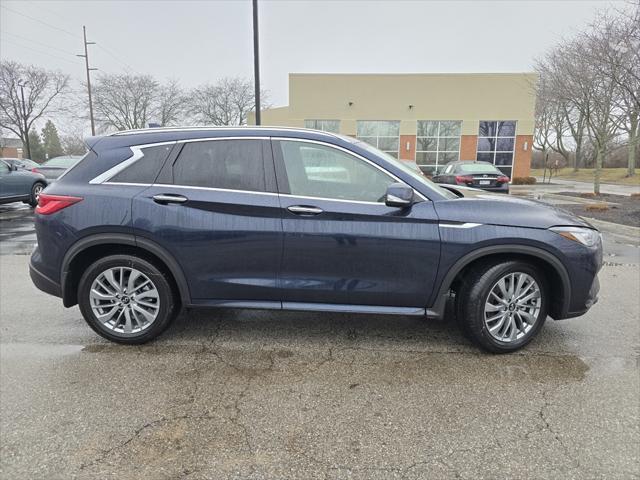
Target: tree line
x: 588, y: 94
x: 120, y: 102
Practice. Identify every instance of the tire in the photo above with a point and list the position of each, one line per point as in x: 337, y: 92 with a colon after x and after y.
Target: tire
x: 128, y: 322
x: 526, y: 318
x: 35, y: 192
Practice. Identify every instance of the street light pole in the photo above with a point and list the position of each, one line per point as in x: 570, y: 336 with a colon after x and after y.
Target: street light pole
x: 256, y: 61
x: 86, y: 64
x: 24, y: 119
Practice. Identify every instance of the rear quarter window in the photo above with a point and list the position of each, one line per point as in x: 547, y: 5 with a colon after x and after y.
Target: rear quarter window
x: 144, y: 170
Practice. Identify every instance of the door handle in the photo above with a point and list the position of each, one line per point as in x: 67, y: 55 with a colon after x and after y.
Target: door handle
x: 164, y: 199
x: 302, y: 210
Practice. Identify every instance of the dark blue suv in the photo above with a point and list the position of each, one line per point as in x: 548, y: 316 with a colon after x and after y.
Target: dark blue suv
x: 277, y: 218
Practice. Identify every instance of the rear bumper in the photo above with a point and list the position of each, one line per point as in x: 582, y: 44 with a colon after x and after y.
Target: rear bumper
x: 43, y: 282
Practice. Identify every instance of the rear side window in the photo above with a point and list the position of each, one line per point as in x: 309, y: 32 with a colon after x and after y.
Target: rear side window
x: 229, y: 164
x: 145, y: 169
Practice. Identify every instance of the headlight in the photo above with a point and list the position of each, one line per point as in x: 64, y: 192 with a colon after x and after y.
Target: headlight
x: 585, y: 236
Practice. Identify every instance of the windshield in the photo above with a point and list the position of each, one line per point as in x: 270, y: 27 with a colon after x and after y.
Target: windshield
x: 478, y: 168
x: 61, y: 162
x: 405, y: 168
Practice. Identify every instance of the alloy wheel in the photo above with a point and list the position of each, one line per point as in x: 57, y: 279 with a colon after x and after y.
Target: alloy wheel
x: 124, y: 300
x: 512, y: 307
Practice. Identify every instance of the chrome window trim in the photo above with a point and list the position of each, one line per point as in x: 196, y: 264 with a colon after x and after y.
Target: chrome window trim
x: 137, y: 154
x: 214, y: 189
x: 212, y: 139
x: 127, y: 184
x: 341, y: 200
x: 350, y: 152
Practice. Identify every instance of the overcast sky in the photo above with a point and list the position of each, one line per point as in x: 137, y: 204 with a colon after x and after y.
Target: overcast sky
x: 202, y: 41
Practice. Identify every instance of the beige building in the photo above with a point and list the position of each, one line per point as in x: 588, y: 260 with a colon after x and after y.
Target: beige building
x: 429, y: 118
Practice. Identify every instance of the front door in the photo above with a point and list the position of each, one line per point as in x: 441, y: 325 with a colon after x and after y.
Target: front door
x: 215, y: 208
x: 342, y: 244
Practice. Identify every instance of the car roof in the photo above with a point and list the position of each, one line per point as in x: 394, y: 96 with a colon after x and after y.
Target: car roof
x: 170, y: 134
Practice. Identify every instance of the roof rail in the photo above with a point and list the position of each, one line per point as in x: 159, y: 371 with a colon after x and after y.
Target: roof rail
x: 200, y: 128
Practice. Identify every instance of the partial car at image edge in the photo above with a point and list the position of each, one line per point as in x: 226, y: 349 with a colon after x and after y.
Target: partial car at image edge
x: 153, y: 221
x: 20, y: 185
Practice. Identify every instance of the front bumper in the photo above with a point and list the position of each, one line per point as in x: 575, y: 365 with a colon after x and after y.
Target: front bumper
x: 590, y: 301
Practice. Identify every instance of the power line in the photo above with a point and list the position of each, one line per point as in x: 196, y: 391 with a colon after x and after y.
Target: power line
x: 125, y: 65
x: 39, y: 43
x: 41, y: 52
x: 39, y: 21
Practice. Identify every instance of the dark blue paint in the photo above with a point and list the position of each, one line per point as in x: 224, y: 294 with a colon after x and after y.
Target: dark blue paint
x: 229, y: 248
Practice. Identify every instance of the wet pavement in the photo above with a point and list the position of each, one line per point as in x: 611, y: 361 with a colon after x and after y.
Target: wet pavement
x: 253, y: 394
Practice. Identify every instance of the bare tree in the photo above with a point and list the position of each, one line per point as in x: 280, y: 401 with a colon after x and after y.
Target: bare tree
x: 73, y: 144
x: 41, y: 88
x: 171, y: 104
x: 228, y: 102
x: 615, y: 53
x: 124, y: 102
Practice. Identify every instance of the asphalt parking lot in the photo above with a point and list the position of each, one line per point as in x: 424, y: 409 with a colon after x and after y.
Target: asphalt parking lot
x: 253, y: 394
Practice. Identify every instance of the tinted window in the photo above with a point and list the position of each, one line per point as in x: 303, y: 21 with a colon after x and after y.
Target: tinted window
x: 64, y: 162
x: 230, y: 164
x: 320, y: 171
x: 477, y: 168
x: 145, y: 169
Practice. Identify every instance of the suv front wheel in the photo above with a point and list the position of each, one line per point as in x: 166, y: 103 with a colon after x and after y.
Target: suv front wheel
x: 126, y: 299
x: 502, y: 306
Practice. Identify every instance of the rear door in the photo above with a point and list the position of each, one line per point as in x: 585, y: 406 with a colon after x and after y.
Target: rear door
x: 214, y: 207
x: 342, y: 244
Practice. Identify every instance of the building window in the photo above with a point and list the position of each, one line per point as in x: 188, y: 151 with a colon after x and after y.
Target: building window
x: 496, y: 142
x: 332, y: 126
x: 437, y: 143
x: 382, y: 134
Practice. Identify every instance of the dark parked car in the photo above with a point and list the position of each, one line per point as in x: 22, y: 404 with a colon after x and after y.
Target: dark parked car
x: 276, y: 218
x: 23, y: 163
x: 18, y: 184
x: 474, y: 174
x: 55, y: 167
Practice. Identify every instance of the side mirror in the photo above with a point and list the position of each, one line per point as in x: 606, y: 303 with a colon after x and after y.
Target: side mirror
x: 399, y: 195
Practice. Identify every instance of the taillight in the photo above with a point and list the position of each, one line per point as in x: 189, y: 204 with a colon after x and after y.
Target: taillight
x: 464, y: 179
x: 502, y: 179
x: 35, y: 170
x: 48, y: 204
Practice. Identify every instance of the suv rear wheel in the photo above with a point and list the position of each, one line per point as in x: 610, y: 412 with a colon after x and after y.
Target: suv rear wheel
x: 502, y: 306
x: 126, y: 299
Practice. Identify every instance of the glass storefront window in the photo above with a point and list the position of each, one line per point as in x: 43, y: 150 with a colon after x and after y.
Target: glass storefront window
x: 437, y: 143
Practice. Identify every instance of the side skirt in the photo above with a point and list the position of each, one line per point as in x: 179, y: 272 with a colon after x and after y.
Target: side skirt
x: 309, y: 307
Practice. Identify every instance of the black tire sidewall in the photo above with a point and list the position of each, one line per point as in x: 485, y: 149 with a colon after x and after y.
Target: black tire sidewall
x: 477, y: 294
x: 168, y: 302
x: 33, y: 201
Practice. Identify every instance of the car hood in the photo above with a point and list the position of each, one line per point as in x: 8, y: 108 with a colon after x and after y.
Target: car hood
x: 477, y: 206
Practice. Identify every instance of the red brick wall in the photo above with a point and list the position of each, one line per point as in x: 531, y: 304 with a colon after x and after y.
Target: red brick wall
x: 522, y: 157
x: 409, y: 154
x: 468, y: 147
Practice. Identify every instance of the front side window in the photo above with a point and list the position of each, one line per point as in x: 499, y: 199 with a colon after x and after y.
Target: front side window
x: 315, y: 170
x: 228, y: 164
x: 4, y: 168
x: 382, y: 134
x: 331, y: 126
x: 496, y: 142
x: 437, y: 143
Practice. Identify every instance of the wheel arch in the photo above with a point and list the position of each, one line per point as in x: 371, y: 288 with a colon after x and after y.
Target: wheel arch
x: 554, y: 270
x: 88, y: 249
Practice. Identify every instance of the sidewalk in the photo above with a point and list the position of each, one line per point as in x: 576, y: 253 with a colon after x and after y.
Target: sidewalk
x: 560, y: 185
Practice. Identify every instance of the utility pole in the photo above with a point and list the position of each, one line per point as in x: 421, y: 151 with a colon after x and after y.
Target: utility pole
x: 24, y: 119
x: 86, y: 63
x: 256, y: 61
